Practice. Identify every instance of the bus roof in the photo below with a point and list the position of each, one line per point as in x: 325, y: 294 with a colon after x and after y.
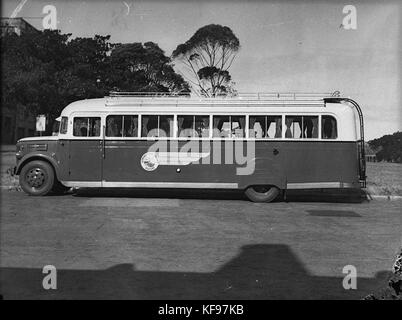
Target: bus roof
x: 200, y: 105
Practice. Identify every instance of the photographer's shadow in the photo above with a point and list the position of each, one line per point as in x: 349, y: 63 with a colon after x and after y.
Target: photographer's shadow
x: 258, y: 272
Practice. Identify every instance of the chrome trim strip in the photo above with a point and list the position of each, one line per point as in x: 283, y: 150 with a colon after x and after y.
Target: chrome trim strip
x: 82, y: 184
x: 119, y: 184
x: 201, y: 185
x: 319, y: 185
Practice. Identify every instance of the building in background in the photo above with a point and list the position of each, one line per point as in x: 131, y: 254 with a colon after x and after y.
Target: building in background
x: 16, y: 25
x: 15, y: 121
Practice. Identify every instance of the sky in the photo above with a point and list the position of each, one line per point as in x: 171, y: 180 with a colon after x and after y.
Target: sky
x: 286, y: 46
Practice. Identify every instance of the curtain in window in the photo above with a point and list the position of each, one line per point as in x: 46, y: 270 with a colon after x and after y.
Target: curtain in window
x: 145, y: 120
x: 299, y: 121
x: 239, y: 131
x: 251, y: 123
x: 334, y: 131
x: 288, y: 122
x: 242, y: 121
x: 307, y: 127
x: 278, y: 129
x: 315, y: 127
x: 270, y: 120
x: 170, y: 120
x: 135, y: 126
x: 216, y: 130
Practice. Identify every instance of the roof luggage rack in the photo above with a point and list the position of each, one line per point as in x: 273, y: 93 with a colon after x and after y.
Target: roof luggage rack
x: 255, y: 96
x: 132, y: 94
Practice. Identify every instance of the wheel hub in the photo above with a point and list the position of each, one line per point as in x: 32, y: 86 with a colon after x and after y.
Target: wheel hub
x: 35, y: 177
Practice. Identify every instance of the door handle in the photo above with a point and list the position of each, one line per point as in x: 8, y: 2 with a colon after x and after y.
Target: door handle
x: 275, y: 152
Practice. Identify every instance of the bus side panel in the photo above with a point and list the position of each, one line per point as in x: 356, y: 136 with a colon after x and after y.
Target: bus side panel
x: 321, y: 162
x: 124, y: 162
x: 268, y: 166
x: 271, y: 162
x: 212, y: 162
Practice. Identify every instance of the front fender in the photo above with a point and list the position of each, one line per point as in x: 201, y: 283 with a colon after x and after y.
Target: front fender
x: 37, y: 156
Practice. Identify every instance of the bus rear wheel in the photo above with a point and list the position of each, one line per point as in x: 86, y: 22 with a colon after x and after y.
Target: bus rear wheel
x: 262, y: 193
x: 37, y: 178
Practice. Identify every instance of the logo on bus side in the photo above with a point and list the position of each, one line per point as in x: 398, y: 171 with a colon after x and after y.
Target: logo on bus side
x: 151, y: 160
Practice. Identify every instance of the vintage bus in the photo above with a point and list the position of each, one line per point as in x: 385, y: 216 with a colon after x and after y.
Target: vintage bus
x: 128, y: 140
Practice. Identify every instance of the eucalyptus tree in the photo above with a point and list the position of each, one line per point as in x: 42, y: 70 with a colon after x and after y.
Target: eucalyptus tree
x: 206, y: 58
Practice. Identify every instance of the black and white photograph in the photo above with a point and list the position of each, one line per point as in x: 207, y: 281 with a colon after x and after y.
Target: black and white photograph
x: 201, y: 154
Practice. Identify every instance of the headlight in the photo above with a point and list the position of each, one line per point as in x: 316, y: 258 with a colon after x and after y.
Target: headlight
x: 20, y: 150
x: 20, y: 147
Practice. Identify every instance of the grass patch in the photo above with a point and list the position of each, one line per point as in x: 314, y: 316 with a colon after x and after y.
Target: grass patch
x: 6, y: 177
x: 384, y: 178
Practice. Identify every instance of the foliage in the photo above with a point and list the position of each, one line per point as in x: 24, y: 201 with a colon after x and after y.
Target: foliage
x: 45, y: 71
x: 206, y: 58
x: 389, y: 147
x: 144, y: 68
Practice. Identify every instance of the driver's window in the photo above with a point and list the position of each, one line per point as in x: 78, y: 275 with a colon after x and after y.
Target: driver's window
x: 63, y: 125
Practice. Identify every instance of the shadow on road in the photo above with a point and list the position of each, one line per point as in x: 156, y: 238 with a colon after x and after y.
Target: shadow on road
x: 258, y: 272
x: 327, y: 195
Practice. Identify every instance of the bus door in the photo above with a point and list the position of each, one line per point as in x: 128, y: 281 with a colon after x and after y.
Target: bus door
x: 85, y: 150
x: 122, y: 150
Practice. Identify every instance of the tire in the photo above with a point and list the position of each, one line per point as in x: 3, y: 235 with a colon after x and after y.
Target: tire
x: 262, y: 193
x: 37, y: 178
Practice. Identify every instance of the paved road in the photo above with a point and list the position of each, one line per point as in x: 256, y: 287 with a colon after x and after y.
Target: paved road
x: 194, y: 245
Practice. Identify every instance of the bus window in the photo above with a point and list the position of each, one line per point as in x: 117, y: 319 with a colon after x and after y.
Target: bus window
x: 310, y: 126
x: 202, y: 126
x: 293, y: 126
x: 63, y: 125
x: 265, y: 127
x: 114, y: 126
x: 186, y: 126
x: 221, y: 126
x: 130, y: 126
x: 301, y: 127
x: 165, y: 126
x: 122, y: 126
x: 157, y: 126
x: 237, y: 126
x: 329, y: 128
x: 193, y: 126
x: 256, y: 127
x: 86, y: 127
x: 229, y: 126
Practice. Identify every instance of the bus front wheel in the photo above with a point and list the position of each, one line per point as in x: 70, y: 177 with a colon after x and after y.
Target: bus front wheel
x: 262, y: 193
x: 37, y: 178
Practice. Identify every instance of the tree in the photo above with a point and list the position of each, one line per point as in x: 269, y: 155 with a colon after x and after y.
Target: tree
x: 45, y: 71
x: 90, y: 62
x: 144, y: 68
x: 206, y: 58
x: 389, y: 147
x: 31, y: 63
